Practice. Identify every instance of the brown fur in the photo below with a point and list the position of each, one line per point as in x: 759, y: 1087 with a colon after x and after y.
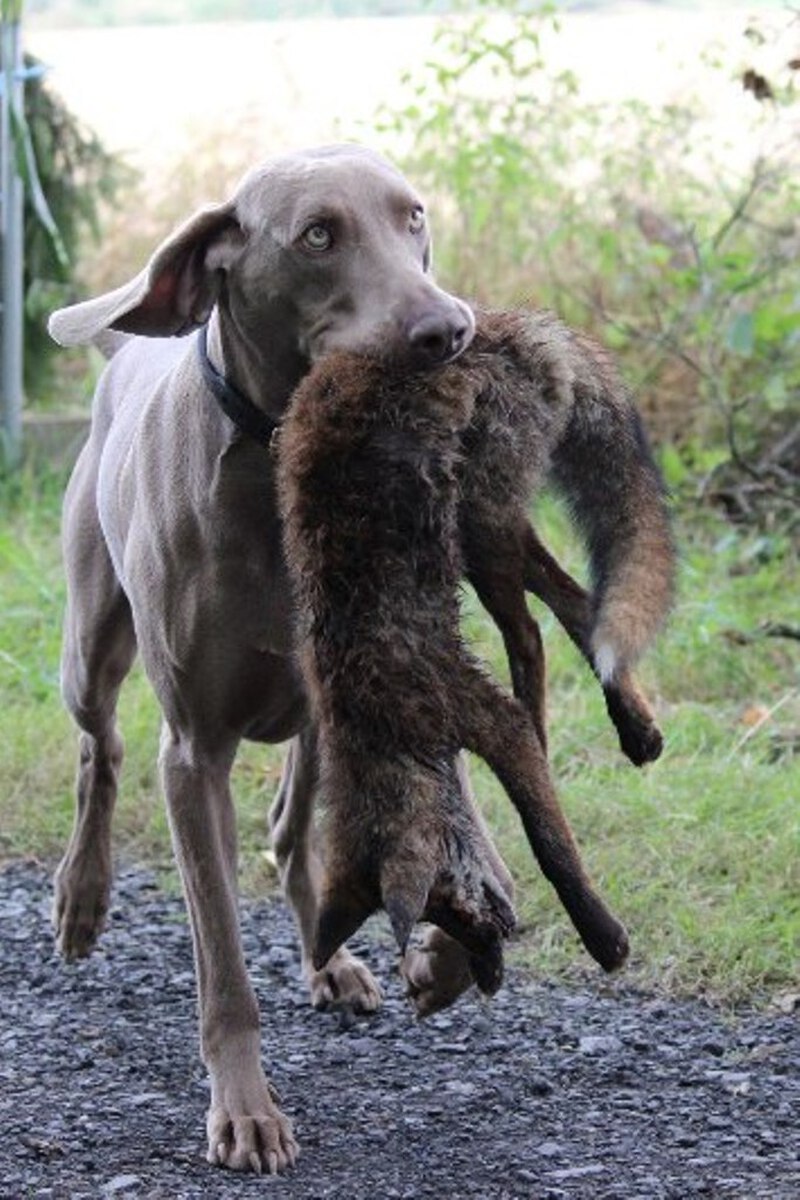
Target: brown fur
x: 552, y: 408
x: 369, y: 496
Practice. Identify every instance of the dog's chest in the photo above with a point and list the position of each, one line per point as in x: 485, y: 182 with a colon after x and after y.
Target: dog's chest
x: 205, y: 538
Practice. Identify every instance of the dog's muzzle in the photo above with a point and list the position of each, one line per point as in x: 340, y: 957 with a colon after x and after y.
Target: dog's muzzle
x: 436, y: 337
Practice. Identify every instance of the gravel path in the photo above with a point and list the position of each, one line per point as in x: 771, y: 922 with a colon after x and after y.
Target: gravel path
x: 545, y: 1093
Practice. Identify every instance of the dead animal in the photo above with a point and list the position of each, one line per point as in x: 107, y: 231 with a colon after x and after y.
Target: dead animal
x: 368, y: 491
x: 552, y: 409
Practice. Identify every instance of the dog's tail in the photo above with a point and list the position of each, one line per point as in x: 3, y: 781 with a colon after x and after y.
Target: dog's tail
x: 604, y: 469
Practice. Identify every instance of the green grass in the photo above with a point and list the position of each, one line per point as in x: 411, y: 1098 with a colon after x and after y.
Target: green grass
x: 698, y: 852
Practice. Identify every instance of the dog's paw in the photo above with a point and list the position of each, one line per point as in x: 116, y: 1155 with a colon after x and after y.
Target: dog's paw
x: 81, y: 894
x: 250, y: 1133
x: 436, y: 972
x: 344, y: 982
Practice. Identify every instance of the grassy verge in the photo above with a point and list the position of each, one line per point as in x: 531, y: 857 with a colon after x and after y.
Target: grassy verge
x: 698, y: 852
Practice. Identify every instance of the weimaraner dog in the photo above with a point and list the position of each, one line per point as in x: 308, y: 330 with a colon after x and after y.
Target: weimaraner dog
x: 173, y: 547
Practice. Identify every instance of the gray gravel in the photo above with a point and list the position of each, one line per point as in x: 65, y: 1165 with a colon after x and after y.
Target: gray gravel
x: 547, y: 1093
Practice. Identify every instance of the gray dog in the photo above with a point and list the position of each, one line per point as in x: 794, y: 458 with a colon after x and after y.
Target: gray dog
x: 173, y: 547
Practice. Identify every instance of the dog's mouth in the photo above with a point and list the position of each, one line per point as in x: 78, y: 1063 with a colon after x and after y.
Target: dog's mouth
x: 422, y: 343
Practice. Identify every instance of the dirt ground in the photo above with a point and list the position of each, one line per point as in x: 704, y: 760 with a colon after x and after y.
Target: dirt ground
x: 546, y: 1092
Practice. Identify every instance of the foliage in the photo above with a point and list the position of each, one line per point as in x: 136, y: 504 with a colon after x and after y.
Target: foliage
x: 638, y: 222
x: 77, y: 175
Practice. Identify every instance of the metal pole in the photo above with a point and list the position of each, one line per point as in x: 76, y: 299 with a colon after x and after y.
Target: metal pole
x: 12, y: 247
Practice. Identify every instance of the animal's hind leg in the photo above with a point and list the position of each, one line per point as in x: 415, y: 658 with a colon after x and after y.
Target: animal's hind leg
x: 495, y: 568
x: 496, y: 727
x: 344, y: 981
x: 639, y: 736
x: 99, y: 647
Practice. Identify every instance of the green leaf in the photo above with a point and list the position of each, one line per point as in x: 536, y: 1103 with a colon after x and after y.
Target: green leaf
x: 673, y: 467
x: 776, y: 393
x: 776, y: 321
x: 615, y: 337
x: 658, y: 254
x: 27, y: 170
x: 740, y: 337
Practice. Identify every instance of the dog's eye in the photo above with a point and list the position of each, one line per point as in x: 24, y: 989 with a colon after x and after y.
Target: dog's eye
x: 417, y: 219
x: 317, y: 237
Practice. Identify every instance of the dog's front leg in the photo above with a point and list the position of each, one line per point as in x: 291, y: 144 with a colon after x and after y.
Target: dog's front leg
x: 246, y: 1129
x: 344, y: 981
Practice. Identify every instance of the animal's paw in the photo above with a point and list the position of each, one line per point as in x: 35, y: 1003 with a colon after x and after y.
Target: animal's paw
x: 344, y: 982
x: 642, y: 741
x: 250, y: 1133
x: 606, y: 938
x: 81, y: 892
x: 639, y: 737
x: 469, y: 903
x: 436, y: 972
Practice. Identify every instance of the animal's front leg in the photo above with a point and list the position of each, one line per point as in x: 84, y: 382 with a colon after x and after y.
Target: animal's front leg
x: 246, y: 1129
x: 344, y: 981
x: 437, y: 970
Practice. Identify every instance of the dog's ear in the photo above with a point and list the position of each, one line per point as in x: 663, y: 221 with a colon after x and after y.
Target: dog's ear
x: 175, y: 292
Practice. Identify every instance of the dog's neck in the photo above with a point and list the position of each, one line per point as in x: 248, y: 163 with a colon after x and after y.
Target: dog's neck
x: 248, y: 418
x: 252, y: 378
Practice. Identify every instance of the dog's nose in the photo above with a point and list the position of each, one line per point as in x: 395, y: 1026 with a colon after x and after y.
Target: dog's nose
x: 435, y: 339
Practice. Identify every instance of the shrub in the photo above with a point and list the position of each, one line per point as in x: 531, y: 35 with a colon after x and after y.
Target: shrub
x: 637, y: 222
x: 76, y: 174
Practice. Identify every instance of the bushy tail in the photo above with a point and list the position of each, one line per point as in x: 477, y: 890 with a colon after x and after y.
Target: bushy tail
x: 604, y: 469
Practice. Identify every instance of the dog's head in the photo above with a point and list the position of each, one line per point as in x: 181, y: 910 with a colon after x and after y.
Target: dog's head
x: 321, y: 250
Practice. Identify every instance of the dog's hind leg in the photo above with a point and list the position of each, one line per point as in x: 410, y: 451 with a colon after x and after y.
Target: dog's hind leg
x: 343, y: 981
x: 99, y: 647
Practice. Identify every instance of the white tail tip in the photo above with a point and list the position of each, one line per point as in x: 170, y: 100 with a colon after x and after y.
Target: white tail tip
x: 605, y: 661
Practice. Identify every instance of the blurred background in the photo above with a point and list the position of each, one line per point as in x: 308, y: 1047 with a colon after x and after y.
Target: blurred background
x: 633, y: 166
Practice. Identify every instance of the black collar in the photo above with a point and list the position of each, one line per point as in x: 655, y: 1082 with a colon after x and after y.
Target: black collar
x: 236, y: 406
